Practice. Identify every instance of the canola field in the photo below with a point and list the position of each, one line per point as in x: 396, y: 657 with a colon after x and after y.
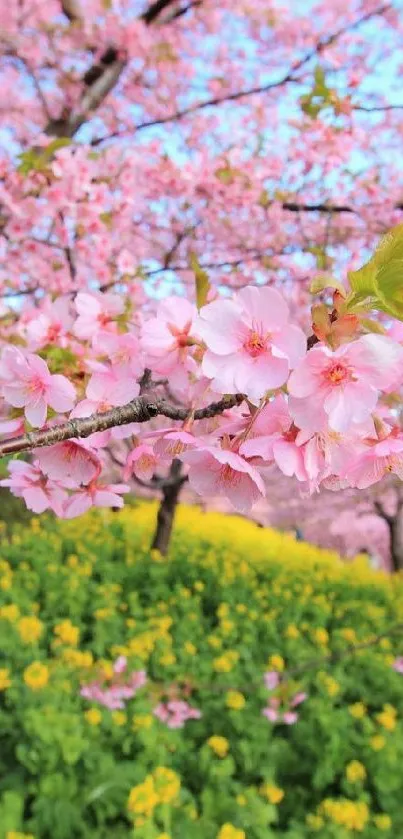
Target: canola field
x: 245, y: 687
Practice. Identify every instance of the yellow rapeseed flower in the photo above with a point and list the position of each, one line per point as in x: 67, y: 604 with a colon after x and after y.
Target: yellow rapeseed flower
x: 383, y: 821
x: 82, y: 659
x: 241, y: 800
x: 330, y: 684
x: 272, y: 793
x: 5, y: 681
x: 355, y: 771
x: 353, y: 815
x: 119, y: 717
x: 377, y: 742
x: 189, y: 648
x: 276, y: 662
x: 387, y: 717
x: 36, y: 675
x: 67, y: 633
x: 235, y: 700
x: 292, y: 631
x: 357, y: 710
x: 14, y: 834
x: 321, y: 636
x: 93, y: 716
x: 315, y: 822
x: 349, y: 635
x: 143, y: 798
x: 228, y: 831
x: 167, y: 659
x: 142, y: 721
x: 30, y: 629
x: 10, y: 612
x: 219, y: 745
x: 226, y: 662
x: 167, y: 784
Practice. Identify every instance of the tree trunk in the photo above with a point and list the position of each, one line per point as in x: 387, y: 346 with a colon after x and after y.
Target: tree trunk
x: 396, y: 541
x: 167, y: 508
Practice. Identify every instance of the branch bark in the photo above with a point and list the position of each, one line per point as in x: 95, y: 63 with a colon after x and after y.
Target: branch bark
x: 141, y: 409
x: 101, y: 77
x: 167, y: 509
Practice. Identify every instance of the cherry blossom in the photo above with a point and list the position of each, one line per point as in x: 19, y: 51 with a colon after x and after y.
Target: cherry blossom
x: 39, y: 493
x: 95, y: 494
x: 223, y: 472
x: 343, y: 384
x: 251, y: 347
x: 96, y: 312
x: 27, y: 383
x: 175, y: 713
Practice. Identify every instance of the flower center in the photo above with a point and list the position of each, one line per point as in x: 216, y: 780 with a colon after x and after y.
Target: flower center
x: 337, y: 373
x: 256, y: 343
x: 182, y: 338
x: 291, y: 434
x: 229, y: 476
x: 37, y: 386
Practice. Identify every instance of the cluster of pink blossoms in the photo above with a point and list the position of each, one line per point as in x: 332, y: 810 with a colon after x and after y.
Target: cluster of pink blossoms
x: 318, y: 414
x: 176, y: 712
x: 280, y: 709
x: 114, y: 693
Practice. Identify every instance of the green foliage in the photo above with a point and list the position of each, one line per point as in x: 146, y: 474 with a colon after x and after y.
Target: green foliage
x: 201, y: 281
x: 229, y: 603
x: 320, y: 97
x: 38, y: 160
x: 379, y: 283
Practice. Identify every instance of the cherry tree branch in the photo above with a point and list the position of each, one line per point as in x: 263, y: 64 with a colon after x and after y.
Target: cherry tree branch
x: 101, y: 77
x: 322, y: 44
x: 139, y: 410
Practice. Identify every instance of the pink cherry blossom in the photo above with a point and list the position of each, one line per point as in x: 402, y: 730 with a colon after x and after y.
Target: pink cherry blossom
x: 71, y: 460
x: 378, y: 460
x: 96, y: 312
x: 107, y: 388
x: 216, y: 471
x: 141, y: 461
x: 290, y: 717
x: 122, y: 350
x: 27, y: 383
x: 251, y: 347
x: 298, y: 699
x: 52, y: 324
x: 176, y: 713
x: 174, y: 443
x: 120, y: 664
x: 39, y: 493
x: 96, y: 494
x: 271, y: 714
x: 275, y: 437
x: 115, y: 694
x: 166, y: 338
x: 345, y: 383
x: 271, y: 679
x: 398, y: 665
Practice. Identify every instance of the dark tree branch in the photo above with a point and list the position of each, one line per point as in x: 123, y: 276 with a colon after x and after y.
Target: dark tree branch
x: 138, y: 410
x: 100, y: 78
x: 322, y: 44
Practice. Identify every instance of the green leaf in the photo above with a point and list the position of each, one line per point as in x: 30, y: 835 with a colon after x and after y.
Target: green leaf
x: 226, y: 174
x: 379, y: 283
x: 201, y: 281
x: 324, y: 281
x: 39, y: 159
